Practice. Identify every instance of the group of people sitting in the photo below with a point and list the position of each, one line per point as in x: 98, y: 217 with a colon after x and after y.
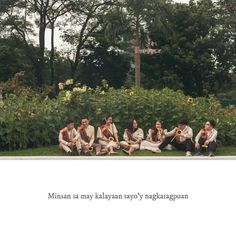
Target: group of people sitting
x: 83, y: 142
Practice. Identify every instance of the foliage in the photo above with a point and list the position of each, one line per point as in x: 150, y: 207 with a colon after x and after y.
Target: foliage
x: 27, y: 121
x: 12, y: 59
x: 195, y: 41
x: 148, y: 105
x: 103, y: 64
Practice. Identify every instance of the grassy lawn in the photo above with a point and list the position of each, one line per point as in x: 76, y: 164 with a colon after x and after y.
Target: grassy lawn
x: 54, y: 151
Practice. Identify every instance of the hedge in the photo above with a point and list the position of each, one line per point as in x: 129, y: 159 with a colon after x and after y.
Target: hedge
x: 32, y: 121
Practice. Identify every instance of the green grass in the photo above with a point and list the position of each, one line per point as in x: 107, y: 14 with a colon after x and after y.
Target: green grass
x: 54, y: 151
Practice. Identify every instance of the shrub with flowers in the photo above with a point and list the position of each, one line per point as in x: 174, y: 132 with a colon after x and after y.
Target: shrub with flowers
x: 30, y: 121
x: 27, y: 121
x: 149, y: 105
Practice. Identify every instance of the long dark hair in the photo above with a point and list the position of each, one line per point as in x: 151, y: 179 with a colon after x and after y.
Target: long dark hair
x: 130, y: 126
x: 154, y: 128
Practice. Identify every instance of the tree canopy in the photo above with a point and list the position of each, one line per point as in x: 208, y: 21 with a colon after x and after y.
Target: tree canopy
x: 194, y: 44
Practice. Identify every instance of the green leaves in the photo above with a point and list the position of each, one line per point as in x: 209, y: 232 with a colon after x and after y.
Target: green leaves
x: 148, y: 105
x: 30, y: 122
x: 40, y: 128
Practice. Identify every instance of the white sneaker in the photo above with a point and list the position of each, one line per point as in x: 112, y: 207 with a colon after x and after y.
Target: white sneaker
x: 157, y: 150
x: 188, y: 154
x: 168, y: 147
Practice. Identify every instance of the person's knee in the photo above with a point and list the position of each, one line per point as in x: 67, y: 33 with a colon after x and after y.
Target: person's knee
x: 212, y: 145
x: 189, y: 141
x: 123, y: 143
x: 168, y: 139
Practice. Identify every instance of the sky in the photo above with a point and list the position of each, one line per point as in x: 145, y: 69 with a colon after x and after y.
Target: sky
x: 59, y: 44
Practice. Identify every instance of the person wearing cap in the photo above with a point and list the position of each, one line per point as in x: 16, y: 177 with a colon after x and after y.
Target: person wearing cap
x: 69, y: 139
x: 180, y: 137
x: 205, y: 141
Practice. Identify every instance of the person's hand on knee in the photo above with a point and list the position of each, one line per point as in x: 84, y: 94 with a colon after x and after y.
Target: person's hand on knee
x: 197, y: 145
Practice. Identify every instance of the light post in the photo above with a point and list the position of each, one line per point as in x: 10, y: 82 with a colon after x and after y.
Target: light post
x: 137, y: 61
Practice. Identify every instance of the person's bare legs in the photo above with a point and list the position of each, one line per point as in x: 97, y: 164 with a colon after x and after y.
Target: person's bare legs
x: 131, y: 149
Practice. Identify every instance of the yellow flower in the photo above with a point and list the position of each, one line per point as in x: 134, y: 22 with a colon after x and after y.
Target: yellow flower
x: 68, y: 96
x: 190, y: 101
x: 131, y: 93
x: 80, y: 90
x: 61, y: 86
x: 103, y: 92
x: 75, y: 89
x: 69, y: 81
x: 83, y: 89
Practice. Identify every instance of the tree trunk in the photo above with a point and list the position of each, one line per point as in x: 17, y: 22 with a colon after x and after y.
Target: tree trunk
x: 137, y: 57
x: 42, y: 29
x: 137, y: 61
x: 75, y: 63
x: 52, y: 56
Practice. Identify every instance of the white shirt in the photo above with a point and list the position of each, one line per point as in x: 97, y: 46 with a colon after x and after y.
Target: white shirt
x: 112, y: 129
x: 137, y: 135
x: 187, y: 133
x: 211, y: 135
x: 90, y: 131
x: 149, y: 136
x: 72, y: 134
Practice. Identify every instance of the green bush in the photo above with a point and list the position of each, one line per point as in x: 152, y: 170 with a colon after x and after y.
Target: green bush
x: 32, y: 121
x: 148, y: 105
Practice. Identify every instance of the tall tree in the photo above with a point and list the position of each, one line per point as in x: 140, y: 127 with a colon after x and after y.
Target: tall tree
x: 135, y: 16
x: 18, y: 21
x: 58, y: 9
x: 224, y: 35
x: 186, y: 59
x: 84, y: 20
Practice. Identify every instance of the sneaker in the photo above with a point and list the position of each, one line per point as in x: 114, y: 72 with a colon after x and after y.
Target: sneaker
x: 211, y: 154
x: 157, y: 150
x: 168, y: 147
x: 188, y: 154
